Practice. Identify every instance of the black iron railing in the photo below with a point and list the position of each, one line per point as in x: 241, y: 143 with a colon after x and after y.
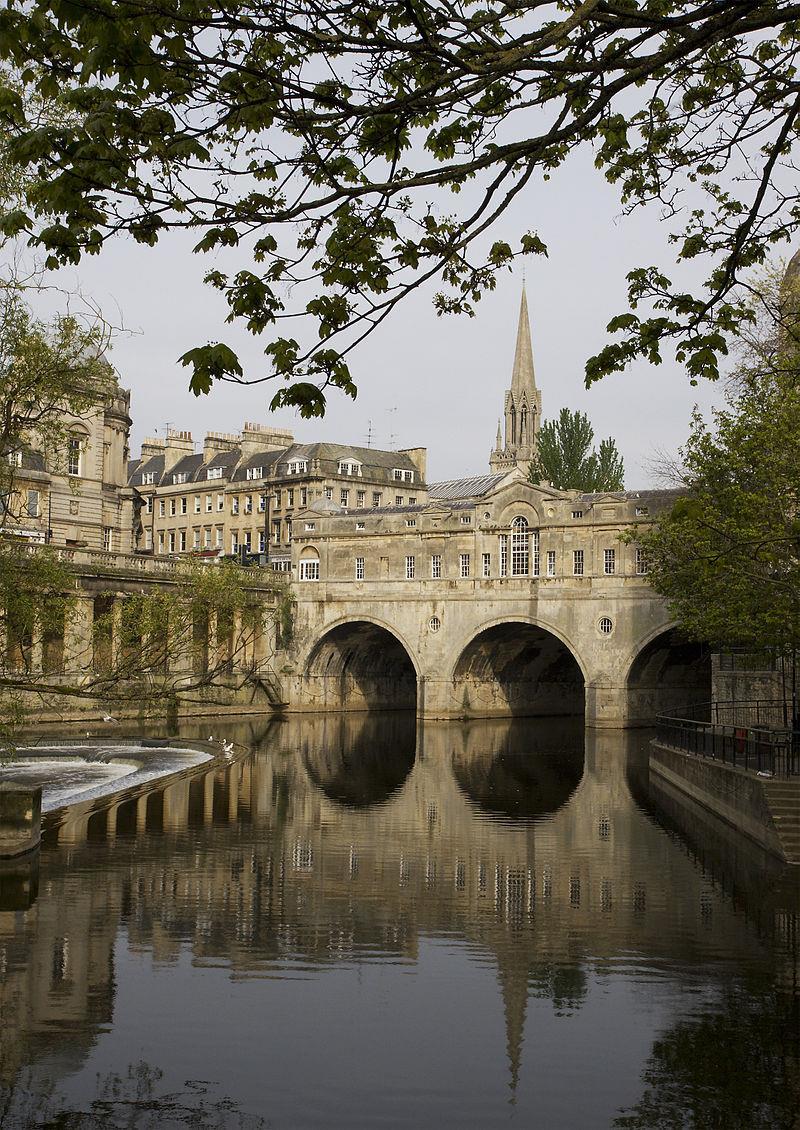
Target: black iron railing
x: 765, y: 749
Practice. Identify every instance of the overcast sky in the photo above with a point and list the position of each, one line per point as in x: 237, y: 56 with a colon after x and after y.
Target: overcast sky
x: 424, y: 381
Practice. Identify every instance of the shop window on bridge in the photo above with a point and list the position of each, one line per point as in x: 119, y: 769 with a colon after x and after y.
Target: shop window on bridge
x: 524, y: 549
x: 309, y: 567
x: 519, y: 547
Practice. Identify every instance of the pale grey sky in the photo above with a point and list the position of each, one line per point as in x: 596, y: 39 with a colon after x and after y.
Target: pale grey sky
x: 423, y: 380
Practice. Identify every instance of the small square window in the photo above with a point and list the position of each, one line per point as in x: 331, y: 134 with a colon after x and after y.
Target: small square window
x: 577, y: 513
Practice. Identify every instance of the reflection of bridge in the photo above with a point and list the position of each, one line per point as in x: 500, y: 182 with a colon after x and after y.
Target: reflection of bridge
x: 507, y: 600
x: 284, y: 860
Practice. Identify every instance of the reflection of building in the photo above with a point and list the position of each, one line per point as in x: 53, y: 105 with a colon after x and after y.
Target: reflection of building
x: 313, y: 852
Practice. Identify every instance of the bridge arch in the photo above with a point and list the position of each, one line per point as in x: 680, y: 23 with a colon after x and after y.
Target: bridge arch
x: 360, y: 663
x: 518, y: 666
x: 666, y: 673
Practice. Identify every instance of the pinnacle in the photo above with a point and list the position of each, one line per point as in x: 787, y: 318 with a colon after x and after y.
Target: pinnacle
x: 523, y: 377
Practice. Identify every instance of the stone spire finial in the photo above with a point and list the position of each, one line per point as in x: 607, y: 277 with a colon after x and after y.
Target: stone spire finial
x: 523, y: 378
x: 522, y: 406
x: 499, y: 444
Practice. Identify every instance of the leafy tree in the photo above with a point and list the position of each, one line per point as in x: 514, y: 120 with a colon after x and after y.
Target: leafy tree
x: 565, y: 456
x: 725, y: 554
x: 327, y: 142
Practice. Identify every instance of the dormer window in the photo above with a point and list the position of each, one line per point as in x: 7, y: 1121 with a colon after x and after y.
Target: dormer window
x: 347, y: 468
x: 180, y: 477
x: 148, y: 478
x: 296, y: 467
x: 255, y: 472
x: 214, y: 473
x: 401, y: 476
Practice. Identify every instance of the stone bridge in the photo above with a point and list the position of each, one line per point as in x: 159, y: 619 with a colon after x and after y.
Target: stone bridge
x: 391, y: 614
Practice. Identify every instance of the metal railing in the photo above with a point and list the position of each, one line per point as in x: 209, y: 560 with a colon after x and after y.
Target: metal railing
x: 773, y: 750
x: 756, y: 712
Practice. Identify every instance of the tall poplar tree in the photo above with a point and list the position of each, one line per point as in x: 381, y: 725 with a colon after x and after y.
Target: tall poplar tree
x: 566, y: 458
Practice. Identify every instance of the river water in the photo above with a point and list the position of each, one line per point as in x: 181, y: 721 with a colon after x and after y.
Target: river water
x: 361, y: 922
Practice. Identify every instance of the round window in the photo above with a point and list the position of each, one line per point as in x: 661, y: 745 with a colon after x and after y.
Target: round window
x: 606, y: 625
x: 434, y: 623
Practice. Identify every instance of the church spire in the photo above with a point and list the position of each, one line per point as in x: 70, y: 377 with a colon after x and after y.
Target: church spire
x: 523, y: 378
x: 522, y: 409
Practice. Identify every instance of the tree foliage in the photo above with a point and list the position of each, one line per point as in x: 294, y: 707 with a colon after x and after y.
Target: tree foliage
x: 330, y: 156
x: 726, y: 554
x: 566, y: 459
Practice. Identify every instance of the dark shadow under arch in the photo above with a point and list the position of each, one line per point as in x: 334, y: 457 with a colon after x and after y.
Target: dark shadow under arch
x: 518, y: 669
x: 669, y: 675
x: 360, y: 666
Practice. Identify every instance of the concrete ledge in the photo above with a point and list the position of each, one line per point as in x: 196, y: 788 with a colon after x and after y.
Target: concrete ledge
x: 20, y: 819
x: 737, y: 797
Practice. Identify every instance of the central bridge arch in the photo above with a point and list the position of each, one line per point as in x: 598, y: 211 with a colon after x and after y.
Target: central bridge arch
x: 520, y: 668
x: 360, y: 664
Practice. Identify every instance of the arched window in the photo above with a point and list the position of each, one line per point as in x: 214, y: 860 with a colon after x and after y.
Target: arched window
x: 309, y: 565
x: 523, y: 425
x: 513, y: 417
x: 74, y: 450
x: 520, y: 553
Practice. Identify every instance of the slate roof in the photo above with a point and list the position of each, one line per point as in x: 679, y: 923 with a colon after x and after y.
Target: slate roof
x: 225, y: 459
x: 334, y: 452
x: 154, y: 464
x: 263, y: 459
x: 475, y: 487
x: 652, y: 499
x: 189, y: 465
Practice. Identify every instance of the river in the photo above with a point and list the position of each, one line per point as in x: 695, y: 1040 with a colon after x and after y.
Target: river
x: 363, y: 922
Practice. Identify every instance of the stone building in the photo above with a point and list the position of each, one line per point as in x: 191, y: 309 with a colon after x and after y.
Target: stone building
x: 242, y: 492
x: 78, y: 498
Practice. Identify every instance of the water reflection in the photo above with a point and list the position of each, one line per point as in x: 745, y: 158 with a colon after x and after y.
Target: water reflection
x: 359, y: 759
x: 491, y: 956
x: 516, y: 771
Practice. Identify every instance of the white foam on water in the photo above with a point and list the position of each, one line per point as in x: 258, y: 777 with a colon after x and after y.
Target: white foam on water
x: 69, y: 774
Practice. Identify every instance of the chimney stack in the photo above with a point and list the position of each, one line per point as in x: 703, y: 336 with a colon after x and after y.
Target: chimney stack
x: 215, y: 442
x: 260, y: 437
x: 152, y: 446
x: 178, y: 445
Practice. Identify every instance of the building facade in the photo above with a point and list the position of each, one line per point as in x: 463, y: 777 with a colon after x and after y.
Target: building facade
x: 78, y: 497
x: 242, y: 493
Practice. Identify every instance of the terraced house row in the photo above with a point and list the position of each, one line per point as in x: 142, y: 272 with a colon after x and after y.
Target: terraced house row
x: 242, y: 493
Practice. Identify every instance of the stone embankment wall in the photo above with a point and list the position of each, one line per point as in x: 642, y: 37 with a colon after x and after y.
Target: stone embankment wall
x: 738, y: 797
